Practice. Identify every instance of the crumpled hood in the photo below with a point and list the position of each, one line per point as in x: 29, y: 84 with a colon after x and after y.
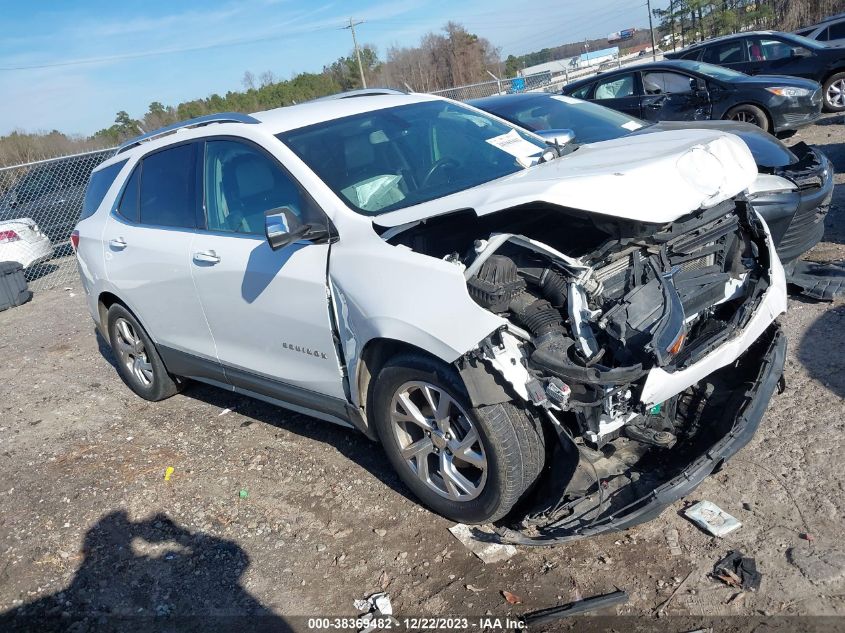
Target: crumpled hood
x: 649, y: 178
x: 767, y: 150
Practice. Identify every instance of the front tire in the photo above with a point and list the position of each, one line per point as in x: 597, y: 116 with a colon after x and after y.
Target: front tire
x: 138, y: 360
x: 834, y: 93
x: 748, y: 113
x: 470, y: 464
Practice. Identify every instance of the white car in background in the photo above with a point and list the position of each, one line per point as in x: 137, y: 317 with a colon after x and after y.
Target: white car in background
x: 22, y: 241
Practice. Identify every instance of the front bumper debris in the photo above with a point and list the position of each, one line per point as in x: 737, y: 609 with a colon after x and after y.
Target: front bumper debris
x: 761, y: 367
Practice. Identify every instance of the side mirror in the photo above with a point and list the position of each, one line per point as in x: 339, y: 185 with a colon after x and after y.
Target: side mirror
x: 800, y: 52
x: 282, y: 227
x: 561, y: 137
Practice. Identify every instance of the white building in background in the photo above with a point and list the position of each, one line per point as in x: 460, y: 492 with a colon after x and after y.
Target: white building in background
x: 562, y: 66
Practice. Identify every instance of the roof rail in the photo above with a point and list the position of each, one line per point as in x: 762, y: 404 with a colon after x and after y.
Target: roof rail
x: 222, y: 117
x: 362, y: 92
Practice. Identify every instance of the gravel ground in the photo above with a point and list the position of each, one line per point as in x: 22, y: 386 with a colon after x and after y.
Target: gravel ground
x: 275, y: 514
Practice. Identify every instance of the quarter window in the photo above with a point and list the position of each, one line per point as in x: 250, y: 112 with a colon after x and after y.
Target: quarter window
x: 98, y: 187
x: 616, y: 88
x: 128, y: 207
x: 168, y: 187
x: 582, y: 92
x: 242, y: 183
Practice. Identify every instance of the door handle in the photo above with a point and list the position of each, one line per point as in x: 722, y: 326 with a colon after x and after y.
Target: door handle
x: 118, y: 243
x: 206, y: 257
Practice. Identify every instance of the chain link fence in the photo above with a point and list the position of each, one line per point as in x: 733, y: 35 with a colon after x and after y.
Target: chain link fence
x: 40, y: 203
x: 497, y: 87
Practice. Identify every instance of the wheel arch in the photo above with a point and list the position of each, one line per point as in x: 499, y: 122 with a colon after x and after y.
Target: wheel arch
x: 105, y: 300
x: 483, y: 385
x: 756, y: 104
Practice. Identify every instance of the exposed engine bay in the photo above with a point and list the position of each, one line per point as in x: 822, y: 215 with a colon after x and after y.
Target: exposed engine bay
x: 593, y: 305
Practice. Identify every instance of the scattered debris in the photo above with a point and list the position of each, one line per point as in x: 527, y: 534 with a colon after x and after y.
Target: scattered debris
x: 512, y: 598
x: 225, y: 411
x: 474, y: 589
x: 738, y: 570
x: 547, y: 566
x: 711, y: 518
x: 167, y: 473
x: 376, y: 606
x: 806, y: 536
x: 487, y: 552
x: 673, y: 539
x: 380, y: 532
x: 243, y: 494
x: 544, y: 616
x: 662, y: 608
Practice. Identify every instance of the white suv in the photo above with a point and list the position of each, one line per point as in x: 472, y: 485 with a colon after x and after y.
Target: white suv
x: 512, y: 320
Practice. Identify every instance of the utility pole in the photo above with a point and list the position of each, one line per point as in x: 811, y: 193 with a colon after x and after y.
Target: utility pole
x: 351, y: 27
x: 651, y: 28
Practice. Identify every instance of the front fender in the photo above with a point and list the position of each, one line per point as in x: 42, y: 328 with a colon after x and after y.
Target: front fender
x: 380, y: 291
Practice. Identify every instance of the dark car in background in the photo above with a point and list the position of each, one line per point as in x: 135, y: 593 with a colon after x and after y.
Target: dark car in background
x: 777, y: 53
x: 793, y: 196
x: 828, y: 31
x: 51, y: 194
x: 695, y: 91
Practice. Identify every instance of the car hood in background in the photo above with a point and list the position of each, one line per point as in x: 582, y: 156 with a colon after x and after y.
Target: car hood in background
x: 763, y: 81
x: 767, y: 150
x: 655, y: 178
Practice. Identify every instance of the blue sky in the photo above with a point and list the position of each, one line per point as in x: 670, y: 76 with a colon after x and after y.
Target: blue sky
x: 172, y: 51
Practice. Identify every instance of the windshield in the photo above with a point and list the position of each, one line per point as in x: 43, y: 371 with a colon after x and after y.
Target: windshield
x: 590, y: 122
x: 713, y: 71
x: 803, y: 41
x: 393, y: 158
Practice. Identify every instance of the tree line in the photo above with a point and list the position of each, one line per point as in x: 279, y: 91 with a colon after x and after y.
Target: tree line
x: 695, y: 20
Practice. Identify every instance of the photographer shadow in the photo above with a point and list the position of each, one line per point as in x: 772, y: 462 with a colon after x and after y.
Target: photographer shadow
x: 150, y: 575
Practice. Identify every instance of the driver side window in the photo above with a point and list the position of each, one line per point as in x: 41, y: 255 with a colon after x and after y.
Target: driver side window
x: 768, y: 50
x: 242, y: 183
x: 667, y: 83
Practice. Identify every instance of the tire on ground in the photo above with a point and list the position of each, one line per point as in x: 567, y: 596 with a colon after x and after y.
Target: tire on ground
x: 163, y: 385
x: 752, y: 110
x: 839, y: 79
x: 512, y: 437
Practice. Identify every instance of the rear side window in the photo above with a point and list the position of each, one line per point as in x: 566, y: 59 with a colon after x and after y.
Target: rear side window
x: 727, y: 53
x: 836, y: 31
x: 616, y: 87
x: 169, y: 187
x: 97, y: 188
x: 129, y: 204
x: 695, y: 55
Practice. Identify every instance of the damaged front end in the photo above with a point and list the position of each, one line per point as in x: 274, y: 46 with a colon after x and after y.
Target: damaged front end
x: 632, y: 346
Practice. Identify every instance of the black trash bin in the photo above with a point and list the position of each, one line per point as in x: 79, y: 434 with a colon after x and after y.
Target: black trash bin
x: 13, y: 288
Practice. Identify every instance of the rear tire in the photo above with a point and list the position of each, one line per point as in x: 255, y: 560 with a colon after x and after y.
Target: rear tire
x: 470, y: 464
x: 138, y: 361
x: 834, y: 93
x: 748, y: 113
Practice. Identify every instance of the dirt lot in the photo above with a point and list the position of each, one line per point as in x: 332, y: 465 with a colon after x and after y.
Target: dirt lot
x: 277, y: 514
